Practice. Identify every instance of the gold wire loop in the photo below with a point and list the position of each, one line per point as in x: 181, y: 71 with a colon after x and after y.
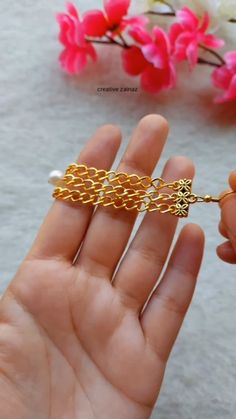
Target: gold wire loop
x: 120, y: 190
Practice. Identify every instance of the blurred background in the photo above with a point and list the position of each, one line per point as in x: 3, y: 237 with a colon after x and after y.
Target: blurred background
x: 45, y: 119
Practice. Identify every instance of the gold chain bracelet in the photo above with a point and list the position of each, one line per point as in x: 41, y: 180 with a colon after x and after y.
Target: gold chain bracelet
x: 89, y: 185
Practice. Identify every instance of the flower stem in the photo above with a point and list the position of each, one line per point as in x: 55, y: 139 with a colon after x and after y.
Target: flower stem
x: 218, y: 56
x: 232, y: 20
x: 123, y: 41
x: 151, y: 12
x: 101, y: 41
x: 113, y: 41
x: 202, y: 61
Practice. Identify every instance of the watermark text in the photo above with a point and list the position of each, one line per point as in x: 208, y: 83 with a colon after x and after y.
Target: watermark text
x: 121, y: 89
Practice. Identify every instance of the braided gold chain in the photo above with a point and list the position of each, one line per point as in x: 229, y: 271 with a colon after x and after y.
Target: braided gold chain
x: 89, y: 185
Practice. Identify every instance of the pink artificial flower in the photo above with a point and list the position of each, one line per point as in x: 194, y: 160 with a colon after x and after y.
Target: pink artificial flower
x: 113, y: 21
x: 73, y: 58
x: 190, y: 32
x: 152, y: 60
x: 224, y: 77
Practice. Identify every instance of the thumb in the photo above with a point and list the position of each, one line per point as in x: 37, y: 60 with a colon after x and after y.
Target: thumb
x: 228, y: 211
x: 232, y: 180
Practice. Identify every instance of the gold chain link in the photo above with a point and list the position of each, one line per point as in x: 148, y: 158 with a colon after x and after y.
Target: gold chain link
x: 89, y: 185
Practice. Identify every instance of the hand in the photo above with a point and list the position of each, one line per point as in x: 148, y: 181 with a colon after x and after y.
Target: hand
x: 73, y: 345
x: 227, y: 227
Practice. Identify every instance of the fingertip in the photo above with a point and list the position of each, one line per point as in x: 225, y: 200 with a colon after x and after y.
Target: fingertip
x: 222, y: 229
x: 228, y: 208
x: 182, y: 165
x: 155, y: 123
x: 112, y: 132
x: 146, y: 144
x: 194, y: 233
x: 219, y: 252
x: 232, y: 180
x: 105, y: 142
x: 226, y: 252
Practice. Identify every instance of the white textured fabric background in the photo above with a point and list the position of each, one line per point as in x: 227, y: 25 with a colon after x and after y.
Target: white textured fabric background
x: 46, y: 118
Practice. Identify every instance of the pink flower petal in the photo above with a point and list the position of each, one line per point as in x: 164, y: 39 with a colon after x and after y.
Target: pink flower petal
x: 116, y: 10
x: 212, y: 42
x: 133, y: 60
x: 72, y: 60
x: 173, y: 75
x: 80, y: 62
x: 60, y: 18
x: 154, y: 55
x: 230, y: 94
x: 221, y: 77
x: 95, y: 23
x: 161, y: 39
x: 205, y: 23
x: 230, y: 58
x: 132, y: 21
x: 136, y: 20
x: 175, y: 30
x: 79, y: 34
x: 62, y: 57
x: 64, y: 26
x: 140, y: 35
x: 192, y: 54
x: 67, y: 34
x: 71, y: 30
x: 90, y: 50
x: 188, y: 18
x: 181, y: 45
x: 72, y: 10
x: 154, y: 80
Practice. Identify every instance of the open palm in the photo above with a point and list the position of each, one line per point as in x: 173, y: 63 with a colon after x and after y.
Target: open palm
x: 77, y: 339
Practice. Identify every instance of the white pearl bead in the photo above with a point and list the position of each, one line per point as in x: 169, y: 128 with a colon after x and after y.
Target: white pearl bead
x: 54, y: 177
